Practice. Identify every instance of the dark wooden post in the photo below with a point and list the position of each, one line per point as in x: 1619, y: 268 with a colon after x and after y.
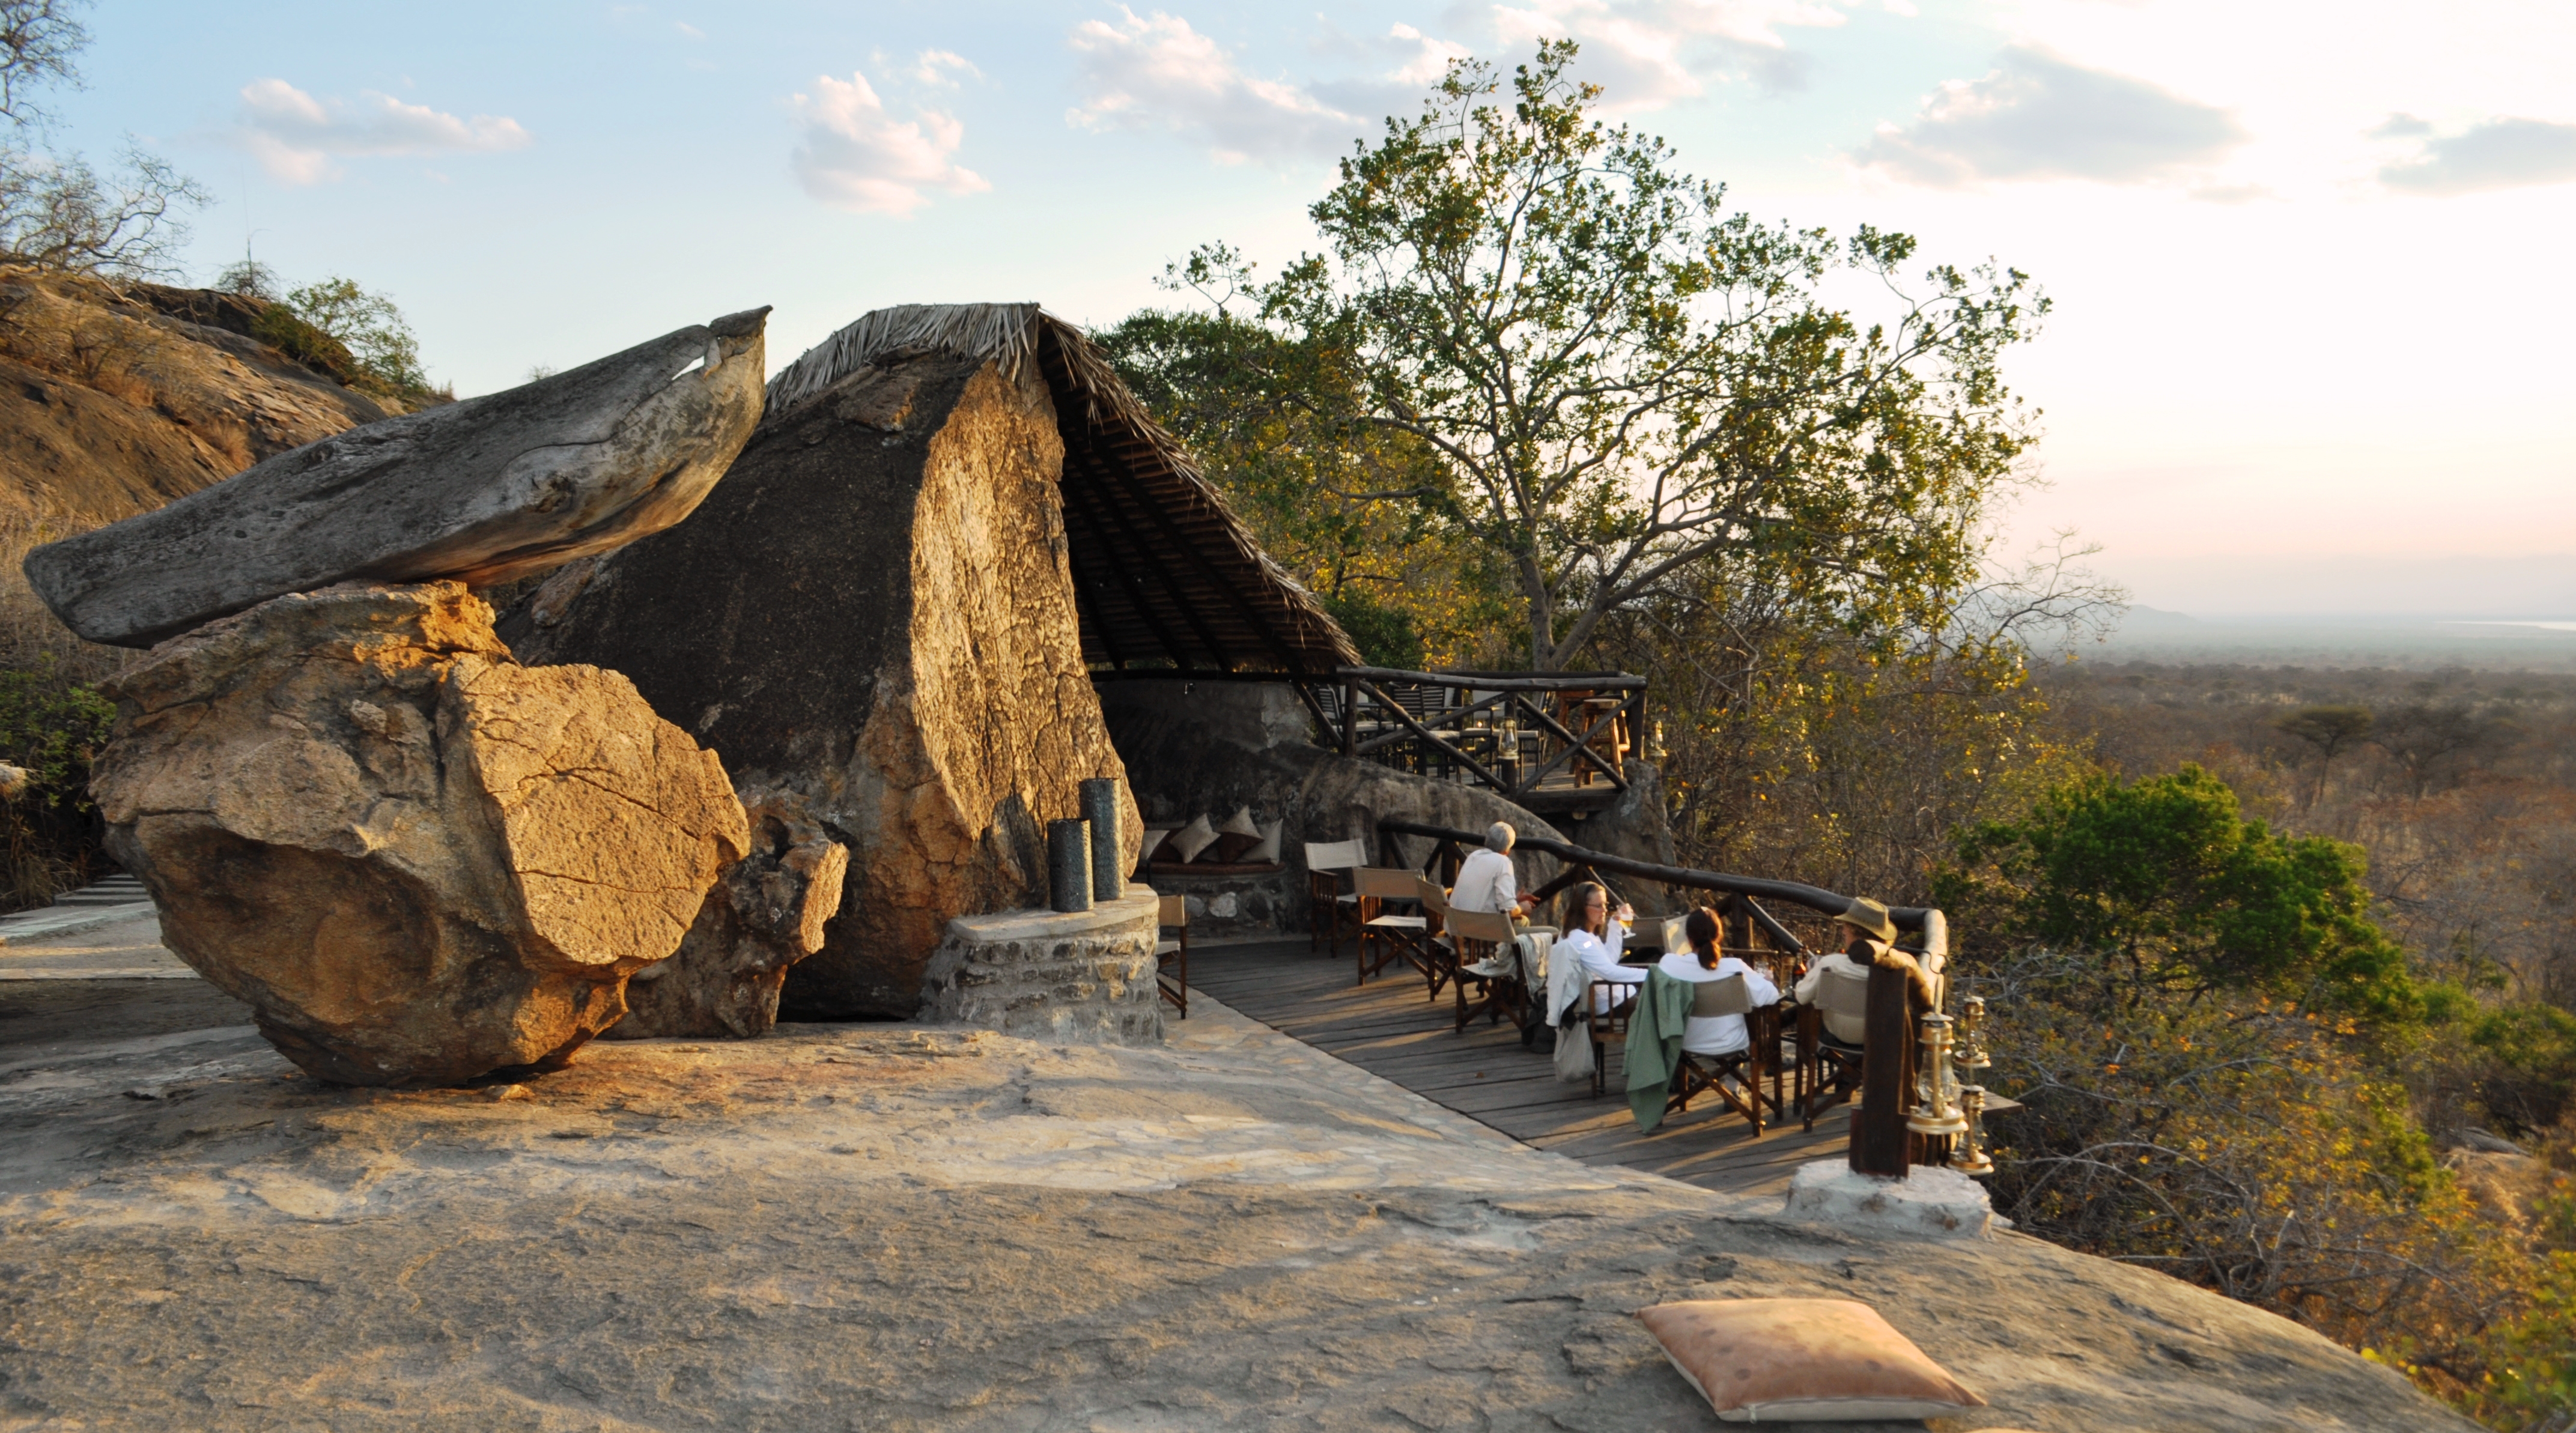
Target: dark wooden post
x: 1879, y: 1140
x: 1350, y: 716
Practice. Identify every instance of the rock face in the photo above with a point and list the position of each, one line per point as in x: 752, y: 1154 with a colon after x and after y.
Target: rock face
x: 115, y: 399
x: 417, y: 861
x: 873, y: 618
x: 766, y: 914
x: 485, y: 490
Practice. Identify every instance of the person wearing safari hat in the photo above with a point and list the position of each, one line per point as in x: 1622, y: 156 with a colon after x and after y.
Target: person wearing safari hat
x: 1866, y: 931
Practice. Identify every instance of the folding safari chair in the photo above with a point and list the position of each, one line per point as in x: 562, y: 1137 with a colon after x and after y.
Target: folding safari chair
x: 1397, y: 937
x: 1475, y: 935
x: 1707, y: 1073
x: 1336, y: 908
x: 1607, y: 1004
x: 1827, y: 1064
x: 1172, y: 957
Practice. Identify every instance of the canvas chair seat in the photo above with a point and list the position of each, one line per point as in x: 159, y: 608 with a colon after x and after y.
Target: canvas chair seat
x: 1496, y: 943
x: 1829, y: 1066
x: 1697, y: 1074
x: 1334, y: 903
x: 1385, y: 936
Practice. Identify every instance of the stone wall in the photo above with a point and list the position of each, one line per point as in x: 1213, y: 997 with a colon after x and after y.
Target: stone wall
x: 1198, y: 746
x: 1085, y: 978
x: 1247, y: 903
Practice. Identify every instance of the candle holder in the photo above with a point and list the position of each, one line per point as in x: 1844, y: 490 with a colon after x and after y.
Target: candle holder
x: 1936, y: 1085
x: 1970, y: 1157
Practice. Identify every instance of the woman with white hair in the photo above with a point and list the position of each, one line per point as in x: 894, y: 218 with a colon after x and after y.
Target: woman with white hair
x: 1486, y: 881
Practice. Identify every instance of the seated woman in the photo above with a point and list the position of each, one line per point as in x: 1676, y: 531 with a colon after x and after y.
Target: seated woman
x: 1594, y: 938
x: 1718, y: 1034
x: 1866, y: 930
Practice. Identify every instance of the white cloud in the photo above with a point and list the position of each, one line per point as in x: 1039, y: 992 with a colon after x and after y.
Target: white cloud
x: 296, y: 136
x: 692, y: 31
x: 1650, y: 53
x: 2497, y: 154
x: 852, y: 154
x: 2036, y: 116
x: 1156, y: 73
x: 938, y: 69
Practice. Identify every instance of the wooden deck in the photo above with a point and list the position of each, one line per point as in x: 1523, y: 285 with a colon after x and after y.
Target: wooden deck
x: 1388, y: 1029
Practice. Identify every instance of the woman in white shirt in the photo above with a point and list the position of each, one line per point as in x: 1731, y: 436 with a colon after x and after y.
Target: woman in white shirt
x: 1717, y: 1034
x: 1595, y: 939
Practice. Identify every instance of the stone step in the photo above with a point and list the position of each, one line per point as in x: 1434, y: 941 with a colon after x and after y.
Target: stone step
x: 102, y: 902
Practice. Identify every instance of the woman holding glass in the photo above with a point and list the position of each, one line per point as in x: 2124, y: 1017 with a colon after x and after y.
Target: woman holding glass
x: 1595, y: 937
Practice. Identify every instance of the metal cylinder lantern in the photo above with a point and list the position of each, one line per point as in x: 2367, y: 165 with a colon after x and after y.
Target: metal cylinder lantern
x: 1069, y: 865
x: 1970, y: 1157
x: 1936, y: 1084
x: 1100, y: 808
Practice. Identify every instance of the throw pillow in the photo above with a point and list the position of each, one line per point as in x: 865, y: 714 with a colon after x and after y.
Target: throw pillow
x: 1153, y: 844
x: 1238, y: 835
x: 1187, y: 842
x: 1267, y: 853
x: 1802, y: 1361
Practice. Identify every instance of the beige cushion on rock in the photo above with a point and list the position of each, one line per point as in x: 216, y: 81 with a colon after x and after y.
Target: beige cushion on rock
x: 1237, y: 836
x: 1153, y: 843
x: 1268, y: 851
x: 1802, y: 1361
x: 1188, y: 841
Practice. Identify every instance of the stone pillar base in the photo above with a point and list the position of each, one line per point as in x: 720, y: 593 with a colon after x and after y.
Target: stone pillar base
x: 1928, y: 1200
x: 1083, y: 978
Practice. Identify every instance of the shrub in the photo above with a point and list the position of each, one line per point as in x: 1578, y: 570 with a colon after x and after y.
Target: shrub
x: 54, y: 728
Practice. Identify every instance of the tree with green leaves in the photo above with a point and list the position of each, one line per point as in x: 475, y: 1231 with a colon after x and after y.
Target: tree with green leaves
x: 2167, y: 886
x: 1617, y: 379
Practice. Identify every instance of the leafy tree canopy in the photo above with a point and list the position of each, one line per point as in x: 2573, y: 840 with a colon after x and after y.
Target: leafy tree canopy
x: 2168, y: 885
x: 1562, y: 353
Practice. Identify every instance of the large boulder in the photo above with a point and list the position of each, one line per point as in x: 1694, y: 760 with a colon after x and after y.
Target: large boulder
x: 873, y: 618
x: 768, y: 913
x: 487, y: 490
x: 417, y: 861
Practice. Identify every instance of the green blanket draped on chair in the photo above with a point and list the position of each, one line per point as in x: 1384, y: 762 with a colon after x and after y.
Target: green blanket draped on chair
x: 1655, y: 1044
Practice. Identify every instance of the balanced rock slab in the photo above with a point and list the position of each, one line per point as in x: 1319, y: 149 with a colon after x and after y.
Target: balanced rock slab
x: 486, y: 490
x: 873, y: 618
x: 766, y: 914
x: 416, y: 860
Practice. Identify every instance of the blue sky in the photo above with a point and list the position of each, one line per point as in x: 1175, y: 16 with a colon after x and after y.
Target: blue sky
x: 2311, y: 349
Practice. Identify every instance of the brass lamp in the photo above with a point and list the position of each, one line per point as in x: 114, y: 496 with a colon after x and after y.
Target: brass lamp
x: 1970, y: 1156
x: 1936, y: 1085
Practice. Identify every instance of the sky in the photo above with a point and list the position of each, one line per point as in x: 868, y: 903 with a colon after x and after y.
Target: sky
x: 2310, y: 350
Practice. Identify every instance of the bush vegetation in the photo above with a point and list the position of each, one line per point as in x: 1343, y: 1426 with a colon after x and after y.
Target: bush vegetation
x: 2279, y: 960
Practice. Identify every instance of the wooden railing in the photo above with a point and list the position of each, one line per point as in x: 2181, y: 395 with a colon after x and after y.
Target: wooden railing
x: 1739, y: 904
x: 1511, y: 732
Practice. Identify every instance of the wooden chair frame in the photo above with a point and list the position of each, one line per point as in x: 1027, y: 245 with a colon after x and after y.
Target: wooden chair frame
x: 1397, y: 937
x: 1698, y: 1074
x: 1607, y: 1025
x: 1489, y: 932
x: 1172, y: 957
x: 1335, y: 908
x: 1819, y: 1053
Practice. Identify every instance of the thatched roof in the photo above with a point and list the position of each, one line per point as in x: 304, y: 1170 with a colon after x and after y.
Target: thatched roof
x: 1163, y: 572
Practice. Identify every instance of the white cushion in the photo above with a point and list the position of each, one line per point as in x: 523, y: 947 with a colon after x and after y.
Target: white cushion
x: 1268, y: 851
x: 1197, y: 836
x: 1153, y: 842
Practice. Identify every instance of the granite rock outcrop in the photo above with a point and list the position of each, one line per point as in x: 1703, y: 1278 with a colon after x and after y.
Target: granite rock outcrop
x: 766, y: 914
x: 416, y: 860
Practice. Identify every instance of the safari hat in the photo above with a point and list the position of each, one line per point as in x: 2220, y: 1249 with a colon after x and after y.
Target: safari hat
x: 1870, y: 916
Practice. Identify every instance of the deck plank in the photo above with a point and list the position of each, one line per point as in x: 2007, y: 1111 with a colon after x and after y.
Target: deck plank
x: 1387, y: 1028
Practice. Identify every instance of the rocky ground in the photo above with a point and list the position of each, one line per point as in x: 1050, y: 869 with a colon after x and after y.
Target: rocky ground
x: 891, y: 1226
